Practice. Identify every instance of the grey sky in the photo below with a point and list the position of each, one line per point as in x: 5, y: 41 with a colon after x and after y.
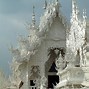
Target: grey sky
x: 13, y: 16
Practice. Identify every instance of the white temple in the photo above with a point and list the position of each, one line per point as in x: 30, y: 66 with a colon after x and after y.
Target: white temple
x: 55, y: 54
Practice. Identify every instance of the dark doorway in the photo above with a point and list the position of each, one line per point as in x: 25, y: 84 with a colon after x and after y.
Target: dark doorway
x: 52, y: 80
x: 53, y: 68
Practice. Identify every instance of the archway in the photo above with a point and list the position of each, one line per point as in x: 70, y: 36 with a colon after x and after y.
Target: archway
x: 50, y: 66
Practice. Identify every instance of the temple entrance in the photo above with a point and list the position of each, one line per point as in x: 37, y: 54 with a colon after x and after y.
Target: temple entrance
x: 52, y: 81
x: 50, y: 66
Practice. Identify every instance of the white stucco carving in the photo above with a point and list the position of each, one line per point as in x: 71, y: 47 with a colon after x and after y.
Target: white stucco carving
x: 32, y: 59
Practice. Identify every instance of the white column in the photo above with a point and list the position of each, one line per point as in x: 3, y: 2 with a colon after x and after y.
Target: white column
x: 27, y: 81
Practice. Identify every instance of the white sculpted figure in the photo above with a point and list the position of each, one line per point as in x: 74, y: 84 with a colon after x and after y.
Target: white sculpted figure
x: 43, y: 83
x: 59, y: 63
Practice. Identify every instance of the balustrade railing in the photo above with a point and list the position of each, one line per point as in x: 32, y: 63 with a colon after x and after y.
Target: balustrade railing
x: 32, y: 87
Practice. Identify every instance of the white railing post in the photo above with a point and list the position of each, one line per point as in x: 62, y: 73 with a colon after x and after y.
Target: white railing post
x: 32, y: 87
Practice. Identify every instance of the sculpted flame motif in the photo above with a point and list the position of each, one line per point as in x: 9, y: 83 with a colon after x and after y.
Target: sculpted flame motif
x: 53, y: 53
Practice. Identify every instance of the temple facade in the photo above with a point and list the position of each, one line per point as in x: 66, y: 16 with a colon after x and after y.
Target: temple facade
x: 55, y: 54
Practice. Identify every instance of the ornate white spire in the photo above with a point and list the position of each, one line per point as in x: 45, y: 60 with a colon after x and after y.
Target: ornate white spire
x: 45, y: 5
x: 84, y: 17
x: 84, y: 13
x: 73, y: 6
x: 75, y: 10
x: 33, y: 17
x: 33, y: 24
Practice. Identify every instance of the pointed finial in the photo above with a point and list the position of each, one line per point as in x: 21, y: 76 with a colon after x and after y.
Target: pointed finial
x: 56, y: 0
x: 73, y: 1
x: 73, y: 5
x: 84, y: 17
x: 84, y: 14
x: 75, y: 10
x: 45, y: 5
x: 33, y: 16
x: 60, y: 55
